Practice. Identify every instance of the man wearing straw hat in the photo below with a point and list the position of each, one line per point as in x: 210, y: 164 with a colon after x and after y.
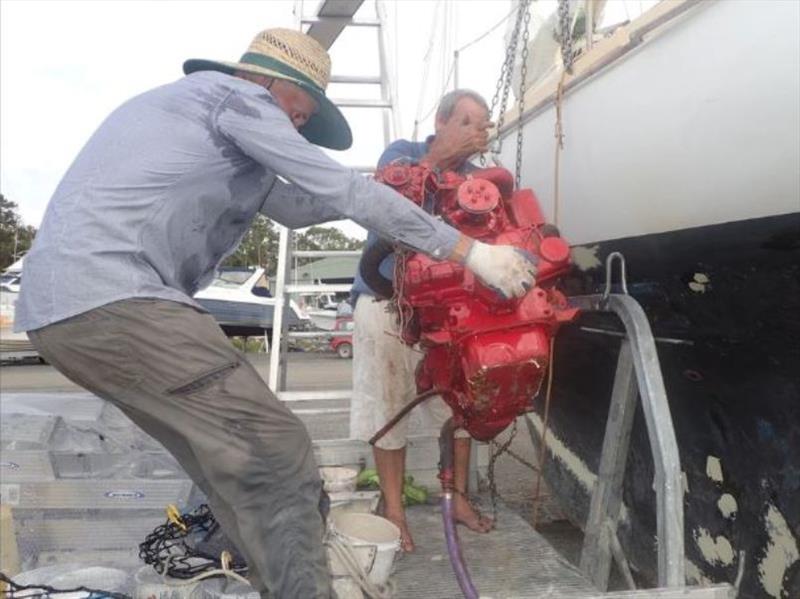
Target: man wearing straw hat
x: 154, y: 202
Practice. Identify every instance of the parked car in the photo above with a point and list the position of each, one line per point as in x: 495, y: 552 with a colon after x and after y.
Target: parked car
x: 343, y: 345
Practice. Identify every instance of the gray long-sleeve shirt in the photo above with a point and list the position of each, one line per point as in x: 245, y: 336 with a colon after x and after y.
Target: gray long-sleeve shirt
x: 166, y: 187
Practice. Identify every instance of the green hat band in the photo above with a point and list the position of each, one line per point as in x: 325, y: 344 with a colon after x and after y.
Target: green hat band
x: 268, y: 62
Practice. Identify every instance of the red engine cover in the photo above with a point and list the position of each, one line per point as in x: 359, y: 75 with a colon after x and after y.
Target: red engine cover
x: 487, y: 356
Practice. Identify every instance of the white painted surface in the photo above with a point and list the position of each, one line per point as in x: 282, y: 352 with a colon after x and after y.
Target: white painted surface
x: 727, y: 505
x: 699, y: 125
x: 694, y: 575
x: 714, y: 469
x: 781, y: 553
x: 715, y: 550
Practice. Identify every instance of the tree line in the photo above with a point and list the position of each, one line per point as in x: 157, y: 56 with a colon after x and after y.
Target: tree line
x: 15, y: 237
x: 259, y: 247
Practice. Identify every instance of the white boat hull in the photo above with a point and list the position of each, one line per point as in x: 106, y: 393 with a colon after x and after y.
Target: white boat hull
x: 699, y: 125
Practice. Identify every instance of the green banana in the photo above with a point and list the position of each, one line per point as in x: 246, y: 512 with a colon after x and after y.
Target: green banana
x: 412, y: 493
x: 368, y: 479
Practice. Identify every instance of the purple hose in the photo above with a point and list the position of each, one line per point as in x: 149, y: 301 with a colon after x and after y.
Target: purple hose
x: 446, y: 441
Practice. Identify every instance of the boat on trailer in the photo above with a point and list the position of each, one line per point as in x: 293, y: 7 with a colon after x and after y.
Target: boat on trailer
x: 681, y: 150
x: 240, y: 301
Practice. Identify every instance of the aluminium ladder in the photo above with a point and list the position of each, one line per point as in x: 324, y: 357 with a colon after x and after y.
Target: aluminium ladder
x: 332, y: 17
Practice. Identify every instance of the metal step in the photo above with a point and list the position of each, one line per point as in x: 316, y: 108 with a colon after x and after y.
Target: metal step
x: 362, y: 103
x: 25, y: 466
x: 124, y: 559
x: 78, y: 405
x: 111, y: 494
x: 100, y: 466
x: 65, y: 532
x: 25, y: 431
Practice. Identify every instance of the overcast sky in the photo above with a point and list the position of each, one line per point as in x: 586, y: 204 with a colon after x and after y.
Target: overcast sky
x: 65, y: 65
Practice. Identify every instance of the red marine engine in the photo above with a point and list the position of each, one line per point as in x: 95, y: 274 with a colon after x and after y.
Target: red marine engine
x: 487, y: 356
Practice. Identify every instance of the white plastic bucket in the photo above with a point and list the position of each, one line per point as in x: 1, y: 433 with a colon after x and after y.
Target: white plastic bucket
x: 374, y: 542
x: 338, y: 479
x: 347, y: 588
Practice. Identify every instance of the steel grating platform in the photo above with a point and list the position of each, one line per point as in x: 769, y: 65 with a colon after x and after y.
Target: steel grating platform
x: 511, y: 560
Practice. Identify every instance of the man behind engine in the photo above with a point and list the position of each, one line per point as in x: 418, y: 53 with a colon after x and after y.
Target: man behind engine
x: 384, y: 366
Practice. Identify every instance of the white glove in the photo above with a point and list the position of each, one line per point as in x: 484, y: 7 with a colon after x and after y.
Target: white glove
x: 507, y: 269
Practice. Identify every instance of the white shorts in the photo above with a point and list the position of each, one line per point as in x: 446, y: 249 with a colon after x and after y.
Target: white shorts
x: 383, y: 380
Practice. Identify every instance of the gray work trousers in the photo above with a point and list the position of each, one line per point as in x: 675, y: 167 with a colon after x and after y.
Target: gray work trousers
x: 172, y: 371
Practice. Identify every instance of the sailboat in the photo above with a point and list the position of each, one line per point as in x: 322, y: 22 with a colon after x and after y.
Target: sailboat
x: 681, y: 150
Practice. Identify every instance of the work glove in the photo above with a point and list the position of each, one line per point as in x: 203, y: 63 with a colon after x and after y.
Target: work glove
x: 508, y: 270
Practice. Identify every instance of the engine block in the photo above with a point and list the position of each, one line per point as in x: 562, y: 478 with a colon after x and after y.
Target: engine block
x: 487, y: 356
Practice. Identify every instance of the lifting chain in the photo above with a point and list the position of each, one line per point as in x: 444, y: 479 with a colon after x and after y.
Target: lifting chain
x: 565, y: 35
x: 505, y: 447
x: 498, y: 450
x: 500, y: 98
x: 523, y: 75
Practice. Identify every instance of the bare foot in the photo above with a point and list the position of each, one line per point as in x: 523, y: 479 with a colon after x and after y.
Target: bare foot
x: 465, y: 514
x: 399, y: 520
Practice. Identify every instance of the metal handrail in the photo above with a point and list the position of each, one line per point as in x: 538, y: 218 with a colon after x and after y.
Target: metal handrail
x: 345, y: 21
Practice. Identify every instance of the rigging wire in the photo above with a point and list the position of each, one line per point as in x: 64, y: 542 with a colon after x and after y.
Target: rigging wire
x: 490, y: 30
x: 441, y: 93
x: 453, y: 63
x: 426, y: 67
x: 445, y: 39
x: 451, y: 71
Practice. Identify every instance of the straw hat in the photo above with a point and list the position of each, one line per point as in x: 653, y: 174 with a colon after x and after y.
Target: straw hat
x: 296, y: 57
